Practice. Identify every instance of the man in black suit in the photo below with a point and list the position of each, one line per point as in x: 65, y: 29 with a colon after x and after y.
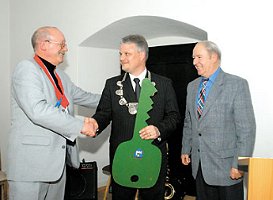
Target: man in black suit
x: 118, y: 104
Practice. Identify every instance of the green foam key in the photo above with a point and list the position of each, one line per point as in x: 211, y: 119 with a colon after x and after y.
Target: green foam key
x: 137, y: 162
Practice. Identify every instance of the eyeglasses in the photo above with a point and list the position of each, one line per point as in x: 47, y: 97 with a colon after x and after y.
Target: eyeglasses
x: 61, y: 44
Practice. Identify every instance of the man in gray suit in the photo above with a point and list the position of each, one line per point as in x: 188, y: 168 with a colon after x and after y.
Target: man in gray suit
x: 43, y: 126
x: 219, y: 126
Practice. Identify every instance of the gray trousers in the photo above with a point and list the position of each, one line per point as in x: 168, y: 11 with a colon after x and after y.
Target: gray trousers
x: 21, y: 190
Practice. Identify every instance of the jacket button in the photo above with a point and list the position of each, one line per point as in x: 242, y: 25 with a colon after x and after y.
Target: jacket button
x: 63, y: 147
x: 198, y: 150
x: 199, y: 134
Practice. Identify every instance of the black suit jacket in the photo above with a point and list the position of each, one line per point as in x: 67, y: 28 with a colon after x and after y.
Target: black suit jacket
x: 164, y: 115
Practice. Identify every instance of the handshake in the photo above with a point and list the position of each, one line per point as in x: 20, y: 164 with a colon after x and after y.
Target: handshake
x: 90, y: 127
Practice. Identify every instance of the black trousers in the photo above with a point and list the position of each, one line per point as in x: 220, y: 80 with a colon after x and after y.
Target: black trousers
x: 211, y: 192
x: 125, y: 193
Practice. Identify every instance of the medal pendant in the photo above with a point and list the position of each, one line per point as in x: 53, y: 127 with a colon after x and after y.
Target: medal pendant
x: 119, y: 84
x: 122, y: 101
x: 119, y: 92
x: 132, y: 108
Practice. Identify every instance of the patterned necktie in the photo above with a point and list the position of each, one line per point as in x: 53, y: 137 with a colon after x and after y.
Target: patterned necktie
x: 137, y: 88
x: 201, y: 98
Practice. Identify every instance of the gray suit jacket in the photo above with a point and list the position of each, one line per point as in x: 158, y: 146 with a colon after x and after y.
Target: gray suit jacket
x: 39, y: 130
x: 225, y: 130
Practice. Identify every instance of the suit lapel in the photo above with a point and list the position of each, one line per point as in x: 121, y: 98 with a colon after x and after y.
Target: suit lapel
x: 193, y: 96
x: 214, y: 93
x: 128, y: 91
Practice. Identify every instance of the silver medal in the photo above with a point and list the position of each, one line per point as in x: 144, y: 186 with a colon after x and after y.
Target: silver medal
x: 119, y: 84
x: 132, y: 108
x: 122, y: 101
x: 119, y: 92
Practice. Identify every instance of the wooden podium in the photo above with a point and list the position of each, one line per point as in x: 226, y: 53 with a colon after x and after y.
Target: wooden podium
x: 260, y: 177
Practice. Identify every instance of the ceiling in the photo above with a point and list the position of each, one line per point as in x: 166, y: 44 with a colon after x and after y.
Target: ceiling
x: 151, y: 27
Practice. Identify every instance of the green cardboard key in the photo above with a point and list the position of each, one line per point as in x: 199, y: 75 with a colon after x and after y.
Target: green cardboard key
x: 137, y: 162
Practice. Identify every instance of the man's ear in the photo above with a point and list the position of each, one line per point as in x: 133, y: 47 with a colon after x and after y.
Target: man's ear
x: 143, y: 55
x: 42, y: 46
x: 214, y: 57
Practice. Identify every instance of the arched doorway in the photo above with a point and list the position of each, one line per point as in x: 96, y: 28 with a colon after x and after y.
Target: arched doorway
x: 159, y: 32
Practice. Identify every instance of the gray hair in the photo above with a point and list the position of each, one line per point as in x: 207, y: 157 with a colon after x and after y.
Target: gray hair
x: 41, y: 33
x: 211, y: 47
x: 140, y: 42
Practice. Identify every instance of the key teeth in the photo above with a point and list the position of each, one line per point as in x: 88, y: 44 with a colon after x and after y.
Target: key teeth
x: 148, y: 90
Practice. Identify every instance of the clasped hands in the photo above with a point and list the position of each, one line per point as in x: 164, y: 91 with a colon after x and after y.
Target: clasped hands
x: 90, y: 127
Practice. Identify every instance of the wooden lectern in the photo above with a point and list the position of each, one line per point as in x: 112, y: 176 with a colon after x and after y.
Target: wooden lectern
x: 260, y: 177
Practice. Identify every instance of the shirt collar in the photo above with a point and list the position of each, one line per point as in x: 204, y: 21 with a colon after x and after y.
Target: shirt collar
x: 48, y: 65
x: 140, y: 77
x: 214, y: 75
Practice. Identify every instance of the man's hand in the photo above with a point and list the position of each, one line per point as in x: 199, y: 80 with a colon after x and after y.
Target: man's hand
x: 185, y: 158
x: 236, y: 174
x: 149, y: 132
x: 90, y: 127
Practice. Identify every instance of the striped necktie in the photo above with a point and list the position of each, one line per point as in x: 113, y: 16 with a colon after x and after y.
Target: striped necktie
x: 201, y: 98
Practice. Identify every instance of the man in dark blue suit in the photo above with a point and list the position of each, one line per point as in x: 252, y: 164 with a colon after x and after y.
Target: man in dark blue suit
x: 118, y: 104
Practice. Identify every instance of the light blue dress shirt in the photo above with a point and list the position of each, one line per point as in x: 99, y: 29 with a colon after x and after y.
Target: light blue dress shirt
x: 209, y: 84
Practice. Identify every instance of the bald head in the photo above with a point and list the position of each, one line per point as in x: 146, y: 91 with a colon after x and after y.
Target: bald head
x: 42, y: 33
x: 49, y: 43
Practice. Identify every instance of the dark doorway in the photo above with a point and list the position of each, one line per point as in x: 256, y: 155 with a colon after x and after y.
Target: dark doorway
x: 176, y: 63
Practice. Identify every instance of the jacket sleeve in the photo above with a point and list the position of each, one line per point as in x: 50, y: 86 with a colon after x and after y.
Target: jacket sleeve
x: 244, y: 122
x: 187, y: 130
x: 37, y: 101
x: 171, y: 117
x: 103, y: 114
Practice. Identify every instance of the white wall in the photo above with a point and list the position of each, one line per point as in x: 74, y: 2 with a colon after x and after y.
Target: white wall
x: 96, y: 66
x: 4, y: 78
x: 240, y: 28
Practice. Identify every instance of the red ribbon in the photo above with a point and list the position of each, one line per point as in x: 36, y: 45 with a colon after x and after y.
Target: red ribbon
x: 60, y: 96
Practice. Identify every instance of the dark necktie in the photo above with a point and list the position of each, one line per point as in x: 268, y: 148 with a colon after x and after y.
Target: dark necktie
x: 201, y: 98
x: 137, y: 88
